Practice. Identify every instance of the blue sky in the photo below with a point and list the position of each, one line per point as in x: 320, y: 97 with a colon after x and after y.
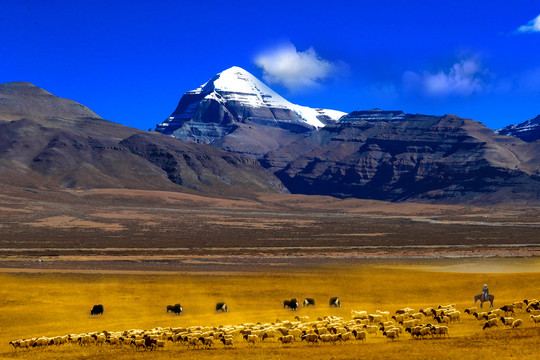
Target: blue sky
x: 131, y: 61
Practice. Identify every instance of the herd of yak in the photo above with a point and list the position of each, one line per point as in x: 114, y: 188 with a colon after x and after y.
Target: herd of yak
x: 221, y: 306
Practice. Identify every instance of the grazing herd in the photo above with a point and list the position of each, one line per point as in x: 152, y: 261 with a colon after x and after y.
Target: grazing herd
x: 502, y: 315
x: 427, y: 323
x: 222, y: 306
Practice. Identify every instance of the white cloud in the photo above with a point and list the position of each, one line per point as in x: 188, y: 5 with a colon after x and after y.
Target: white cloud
x: 463, y: 78
x: 531, y: 26
x: 296, y: 70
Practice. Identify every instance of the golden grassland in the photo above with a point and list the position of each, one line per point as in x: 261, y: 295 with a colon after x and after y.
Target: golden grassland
x: 52, y: 304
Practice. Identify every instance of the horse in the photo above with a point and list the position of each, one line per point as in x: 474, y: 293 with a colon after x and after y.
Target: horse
x: 480, y: 297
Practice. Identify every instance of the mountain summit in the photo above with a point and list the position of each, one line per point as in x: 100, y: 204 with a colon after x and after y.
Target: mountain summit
x: 236, y: 111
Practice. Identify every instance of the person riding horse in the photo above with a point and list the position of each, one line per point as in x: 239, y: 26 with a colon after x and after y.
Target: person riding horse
x: 484, y: 296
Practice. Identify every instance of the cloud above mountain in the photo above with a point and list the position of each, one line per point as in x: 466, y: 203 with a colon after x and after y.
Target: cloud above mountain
x: 531, y: 27
x: 463, y: 78
x: 296, y: 70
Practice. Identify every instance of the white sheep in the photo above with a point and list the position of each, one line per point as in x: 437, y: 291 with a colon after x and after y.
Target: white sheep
x: 207, y: 341
x: 100, y: 339
x: 42, y: 342
x: 114, y: 341
x: 535, y: 319
x: 441, y: 331
x: 227, y: 341
x: 392, y: 334
x: 311, y: 338
x: 252, y: 339
x: 359, y: 314
x: 471, y: 310
x: 519, y: 305
x: 371, y: 329
x: 385, y: 314
x: 490, y: 323
x: 329, y: 338
x: 454, y: 316
x: 287, y: 339
x: 517, y: 323
x: 360, y: 335
x: 346, y: 336
x: 191, y: 340
x: 479, y: 315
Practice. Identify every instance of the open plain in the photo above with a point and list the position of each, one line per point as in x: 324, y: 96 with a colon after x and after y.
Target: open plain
x: 136, y: 252
x: 56, y: 304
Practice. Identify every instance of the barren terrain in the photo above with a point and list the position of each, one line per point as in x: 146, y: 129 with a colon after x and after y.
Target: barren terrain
x: 137, y: 230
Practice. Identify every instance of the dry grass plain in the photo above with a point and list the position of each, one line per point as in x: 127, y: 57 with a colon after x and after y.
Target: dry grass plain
x: 50, y: 304
x: 136, y: 251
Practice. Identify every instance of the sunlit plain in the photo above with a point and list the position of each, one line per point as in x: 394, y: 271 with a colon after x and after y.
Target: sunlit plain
x: 55, y: 304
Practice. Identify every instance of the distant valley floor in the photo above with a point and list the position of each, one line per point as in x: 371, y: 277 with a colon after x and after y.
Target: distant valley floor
x: 135, y: 230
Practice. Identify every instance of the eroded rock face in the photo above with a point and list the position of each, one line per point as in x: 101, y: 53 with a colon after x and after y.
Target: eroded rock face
x: 398, y: 157
x: 528, y: 131
x: 201, y: 167
x: 234, y: 111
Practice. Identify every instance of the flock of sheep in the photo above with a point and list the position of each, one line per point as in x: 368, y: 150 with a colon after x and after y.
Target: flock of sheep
x: 431, y: 322
x: 494, y: 317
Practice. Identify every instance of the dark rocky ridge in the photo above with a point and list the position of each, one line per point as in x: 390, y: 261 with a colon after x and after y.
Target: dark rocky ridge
x: 202, y: 167
x: 421, y: 158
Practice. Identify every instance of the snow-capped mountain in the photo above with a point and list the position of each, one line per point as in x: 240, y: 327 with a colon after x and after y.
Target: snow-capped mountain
x: 527, y: 131
x: 234, y: 104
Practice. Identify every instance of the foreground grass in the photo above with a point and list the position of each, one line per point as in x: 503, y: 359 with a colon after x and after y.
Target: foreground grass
x: 33, y: 305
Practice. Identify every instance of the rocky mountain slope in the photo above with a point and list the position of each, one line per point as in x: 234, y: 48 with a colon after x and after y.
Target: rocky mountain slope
x: 49, y: 142
x: 22, y: 99
x: 397, y: 157
x: 237, y: 112
x: 528, y: 131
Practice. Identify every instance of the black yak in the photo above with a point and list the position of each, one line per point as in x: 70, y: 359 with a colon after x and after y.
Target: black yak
x: 97, y: 310
x: 221, y: 306
x: 291, y: 304
x: 176, y: 308
x: 335, y: 302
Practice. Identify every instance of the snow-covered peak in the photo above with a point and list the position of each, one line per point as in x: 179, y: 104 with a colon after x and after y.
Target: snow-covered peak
x: 527, y: 131
x: 236, y: 84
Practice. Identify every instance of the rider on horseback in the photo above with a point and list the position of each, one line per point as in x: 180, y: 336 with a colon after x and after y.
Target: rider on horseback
x: 485, y: 292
